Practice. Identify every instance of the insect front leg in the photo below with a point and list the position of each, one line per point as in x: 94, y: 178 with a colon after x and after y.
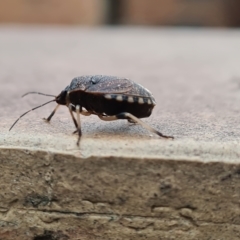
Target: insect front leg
x: 131, y: 117
x: 52, y: 113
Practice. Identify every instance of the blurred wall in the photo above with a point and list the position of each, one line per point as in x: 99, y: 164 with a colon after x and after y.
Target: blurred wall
x: 174, y: 12
x: 87, y: 12
x: 144, y: 12
x: 181, y: 12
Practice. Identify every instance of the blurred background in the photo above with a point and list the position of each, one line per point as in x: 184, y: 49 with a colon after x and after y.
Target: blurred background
x: 209, y: 13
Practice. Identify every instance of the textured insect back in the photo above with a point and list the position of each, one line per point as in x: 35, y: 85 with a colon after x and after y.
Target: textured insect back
x: 79, y: 83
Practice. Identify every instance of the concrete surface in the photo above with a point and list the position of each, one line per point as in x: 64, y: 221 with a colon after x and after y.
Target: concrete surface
x: 122, y: 183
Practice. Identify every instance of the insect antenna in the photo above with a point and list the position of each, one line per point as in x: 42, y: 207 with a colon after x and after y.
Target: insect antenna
x: 30, y: 111
x: 44, y: 94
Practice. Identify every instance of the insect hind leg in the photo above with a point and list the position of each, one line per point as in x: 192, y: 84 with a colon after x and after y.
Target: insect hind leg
x: 134, y: 119
x: 131, y: 121
x: 112, y: 118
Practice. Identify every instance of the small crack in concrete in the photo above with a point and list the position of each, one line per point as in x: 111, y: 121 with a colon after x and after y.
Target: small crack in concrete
x: 116, y: 216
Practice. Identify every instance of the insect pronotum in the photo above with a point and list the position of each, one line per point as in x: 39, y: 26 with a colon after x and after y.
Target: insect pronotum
x: 108, y: 97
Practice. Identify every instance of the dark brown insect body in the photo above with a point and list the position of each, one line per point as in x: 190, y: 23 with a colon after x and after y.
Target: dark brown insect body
x: 108, y: 97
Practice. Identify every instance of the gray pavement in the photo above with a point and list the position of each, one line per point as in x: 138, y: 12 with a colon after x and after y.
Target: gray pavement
x: 123, y: 182
x: 193, y: 74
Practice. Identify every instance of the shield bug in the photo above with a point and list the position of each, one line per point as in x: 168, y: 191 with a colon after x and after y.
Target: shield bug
x: 110, y: 98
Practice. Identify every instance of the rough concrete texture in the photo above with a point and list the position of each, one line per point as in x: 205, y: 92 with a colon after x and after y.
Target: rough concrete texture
x: 122, y: 183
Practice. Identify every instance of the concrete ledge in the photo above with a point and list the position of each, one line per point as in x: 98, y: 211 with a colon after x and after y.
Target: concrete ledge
x: 121, y: 183
x: 114, y: 197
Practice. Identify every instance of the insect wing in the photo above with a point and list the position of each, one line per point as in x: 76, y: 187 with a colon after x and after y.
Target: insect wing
x: 111, y: 85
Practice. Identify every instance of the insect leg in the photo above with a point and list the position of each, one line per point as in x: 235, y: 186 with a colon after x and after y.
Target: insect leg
x: 108, y: 118
x: 70, y: 110
x: 128, y: 116
x: 51, y: 115
x: 79, y: 124
x: 73, y: 118
x: 85, y: 113
x: 131, y: 121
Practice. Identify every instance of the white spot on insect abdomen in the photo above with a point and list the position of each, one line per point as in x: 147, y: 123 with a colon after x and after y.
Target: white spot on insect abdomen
x: 119, y: 98
x: 140, y: 100
x: 130, y: 99
x: 108, y: 96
